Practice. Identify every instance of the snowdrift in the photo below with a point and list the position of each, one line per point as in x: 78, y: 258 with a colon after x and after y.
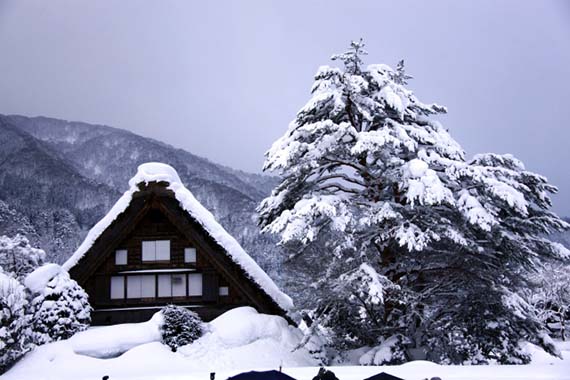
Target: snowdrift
x: 240, y: 339
x: 112, y: 341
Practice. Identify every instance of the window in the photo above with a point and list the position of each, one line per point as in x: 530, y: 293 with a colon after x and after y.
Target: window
x: 189, y: 255
x: 169, y: 285
x: 178, y: 285
x: 163, y: 250
x: 164, y: 285
x: 133, y: 287
x: 172, y: 285
x: 148, y: 286
x: 158, y: 250
x: 141, y: 286
x: 148, y: 251
x: 121, y: 257
x: 224, y: 291
x: 117, y: 287
x: 195, y: 284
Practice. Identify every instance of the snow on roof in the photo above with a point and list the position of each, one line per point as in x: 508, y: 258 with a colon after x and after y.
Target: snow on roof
x: 159, y: 172
x: 38, y: 279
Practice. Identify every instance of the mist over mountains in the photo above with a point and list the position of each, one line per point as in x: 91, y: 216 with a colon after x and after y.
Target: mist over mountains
x: 58, y: 178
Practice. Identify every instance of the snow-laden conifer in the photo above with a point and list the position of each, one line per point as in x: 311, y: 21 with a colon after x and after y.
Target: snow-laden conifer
x: 18, y: 257
x: 180, y: 327
x: 372, y: 178
x: 59, y: 306
x: 14, y: 322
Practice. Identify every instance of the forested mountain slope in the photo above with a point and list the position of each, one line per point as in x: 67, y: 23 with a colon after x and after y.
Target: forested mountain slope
x: 58, y: 178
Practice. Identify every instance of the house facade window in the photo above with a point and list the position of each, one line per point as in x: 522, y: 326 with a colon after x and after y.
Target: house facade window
x: 141, y: 286
x: 157, y: 285
x: 172, y: 285
x: 195, y: 284
x: 156, y: 250
x: 121, y: 257
x: 224, y: 291
x: 117, y: 287
x: 190, y: 255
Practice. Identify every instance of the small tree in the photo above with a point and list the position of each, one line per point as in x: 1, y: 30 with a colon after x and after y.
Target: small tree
x: 60, y: 309
x: 181, y: 326
x: 14, y: 336
x: 18, y: 257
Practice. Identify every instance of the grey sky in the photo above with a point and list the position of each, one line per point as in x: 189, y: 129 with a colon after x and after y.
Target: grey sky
x: 223, y: 79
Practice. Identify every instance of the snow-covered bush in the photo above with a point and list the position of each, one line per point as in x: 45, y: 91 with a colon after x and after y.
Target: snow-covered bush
x: 59, y: 306
x: 18, y: 257
x: 180, y: 327
x: 14, y: 337
x: 490, y: 339
x: 549, y: 294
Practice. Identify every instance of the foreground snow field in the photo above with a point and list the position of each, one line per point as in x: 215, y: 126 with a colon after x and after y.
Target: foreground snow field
x: 238, y: 341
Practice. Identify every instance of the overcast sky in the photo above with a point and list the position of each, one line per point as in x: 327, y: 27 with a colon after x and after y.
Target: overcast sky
x: 223, y: 79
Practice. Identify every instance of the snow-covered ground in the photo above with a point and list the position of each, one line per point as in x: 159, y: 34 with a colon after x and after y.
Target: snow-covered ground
x: 238, y: 341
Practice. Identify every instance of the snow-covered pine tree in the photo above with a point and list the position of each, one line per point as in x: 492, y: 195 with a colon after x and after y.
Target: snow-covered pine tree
x: 372, y: 178
x: 60, y: 307
x: 14, y: 334
x: 18, y: 257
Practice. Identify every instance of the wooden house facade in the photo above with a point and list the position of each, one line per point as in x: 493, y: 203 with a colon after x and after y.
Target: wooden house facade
x: 157, y: 250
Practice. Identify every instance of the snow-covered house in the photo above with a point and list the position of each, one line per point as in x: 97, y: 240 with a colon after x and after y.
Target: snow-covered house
x: 158, y: 245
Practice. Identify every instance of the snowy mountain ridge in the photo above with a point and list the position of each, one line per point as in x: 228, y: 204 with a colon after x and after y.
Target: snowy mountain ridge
x: 58, y: 178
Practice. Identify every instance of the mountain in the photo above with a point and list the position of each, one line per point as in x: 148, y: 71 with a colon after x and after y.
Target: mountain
x: 58, y: 178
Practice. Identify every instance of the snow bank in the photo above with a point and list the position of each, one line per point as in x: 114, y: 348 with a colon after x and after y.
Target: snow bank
x: 242, y: 339
x: 239, y: 340
x: 538, y: 355
x: 159, y: 172
x: 243, y: 325
x: 112, y: 341
x: 37, y: 281
x: 380, y: 354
